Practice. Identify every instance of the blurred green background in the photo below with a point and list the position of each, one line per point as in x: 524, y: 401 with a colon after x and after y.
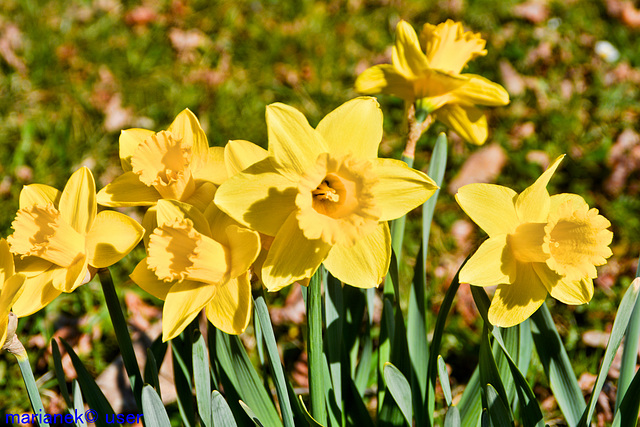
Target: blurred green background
x: 75, y: 73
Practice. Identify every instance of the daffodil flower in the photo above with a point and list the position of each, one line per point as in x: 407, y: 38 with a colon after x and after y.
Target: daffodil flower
x: 199, y: 260
x: 176, y: 163
x: 324, y: 195
x: 11, y: 287
x: 433, y: 78
x: 60, y: 236
x: 538, y: 245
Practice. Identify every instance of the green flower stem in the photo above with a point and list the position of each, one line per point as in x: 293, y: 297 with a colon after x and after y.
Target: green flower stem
x: 122, y: 334
x: 15, y: 347
x: 314, y: 348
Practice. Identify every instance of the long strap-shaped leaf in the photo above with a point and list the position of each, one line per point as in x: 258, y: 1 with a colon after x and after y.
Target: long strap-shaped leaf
x: 619, y: 326
x: 557, y: 366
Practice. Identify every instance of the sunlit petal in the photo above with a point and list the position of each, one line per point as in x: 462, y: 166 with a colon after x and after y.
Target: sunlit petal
x: 364, y: 264
x: 480, y: 91
x: 144, y: 277
x: 384, y: 78
x: 7, y: 268
x: 230, y: 308
x: 492, y: 264
x: 244, y: 245
x: 240, y: 154
x: 78, y: 201
x: 202, y: 196
x: 168, y: 211
x: 187, y: 126
x: 127, y: 190
x: 407, y: 56
x: 293, y: 143
x: 292, y: 256
x: 399, y: 188
x: 448, y: 47
x: 112, y: 236
x: 483, y: 202
x: 533, y: 203
x: 214, y: 169
x: 513, y: 304
x: 353, y: 128
x: 184, y: 300
x: 468, y: 122
x: 129, y: 141
x: 566, y: 291
x: 259, y: 189
x: 37, y: 293
x: 39, y: 194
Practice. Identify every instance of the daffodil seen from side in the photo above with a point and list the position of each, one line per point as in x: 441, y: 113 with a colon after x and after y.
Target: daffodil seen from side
x: 538, y: 245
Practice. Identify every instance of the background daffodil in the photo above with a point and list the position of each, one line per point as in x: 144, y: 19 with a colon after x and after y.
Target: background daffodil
x: 59, y: 235
x: 537, y: 244
x: 173, y: 164
x: 324, y: 195
x: 428, y: 71
x: 11, y: 286
x: 199, y: 260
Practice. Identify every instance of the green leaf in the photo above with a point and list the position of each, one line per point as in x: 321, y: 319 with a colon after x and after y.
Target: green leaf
x: 251, y: 414
x: 57, y: 366
x: 202, y: 378
x: 499, y: 414
x: 335, y: 334
x: 92, y: 392
x: 619, y: 326
x: 314, y: 347
x: 452, y: 419
x: 627, y: 413
x: 235, y: 363
x: 262, y: 313
x: 122, y: 333
x: 154, y: 412
x: 557, y: 366
x: 182, y: 378
x: 629, y: 351
x: 78, y: 404
x: 221, y: 414
x: 151, y: 371
x: 470, y: 404
x: 399, y: 389
x: 444, y: 380
x: 312, y: 422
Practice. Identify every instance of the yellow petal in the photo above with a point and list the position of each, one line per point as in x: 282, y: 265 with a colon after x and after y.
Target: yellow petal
x: 245, y: 246
x: 292, y: 256
x: 35, y: 194
x: 407, y: 56
x: 78, y: 201
x: 400, y: 188
x: 240, y: 154
x: 436, y: 88
x: 11, y: 291
x: 187, y: 126
x: 490, y: 206
x: 127, y: 190
x: 558, y: 199
x: 184, y: 300
x: 533, y: 203
x: 567, y: 291
x: 260, y: 188
x: 129, y: 141
x: 69, y: 278
x: 468, y: 122
x: 168, y: 211
x: 37, y: 293
x: 144, y: 277
x: 448, y: 47
x: 31, y: 266
x: 292, y: 142
x: 492, y: 264
x: 112, y: 236
x: 515, y: 303
x: 354, y: 127
x: 214, y: 169
x: 480, y: 91
x: 202, y: 196
x: 7, y: 268
x: 149, y: 223
x: 385, y: 78
x: 364, y: 264
x: 230, y: 308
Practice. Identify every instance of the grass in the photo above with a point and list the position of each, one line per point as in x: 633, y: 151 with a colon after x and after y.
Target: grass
x: 90, y: 69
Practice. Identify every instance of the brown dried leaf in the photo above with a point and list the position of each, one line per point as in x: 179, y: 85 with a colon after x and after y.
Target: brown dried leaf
x: 624, y: 159
x: 483, y: 166
x: 513, y: 81
x: 141, y: 15
x: 535, y: 11
x: 10, y: 42
x: 597, y: 339
x: 293, y: 311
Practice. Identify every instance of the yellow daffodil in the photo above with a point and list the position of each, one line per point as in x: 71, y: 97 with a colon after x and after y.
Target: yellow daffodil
x: 537, y: 244
x: 11, y: 286
x: 59, y: 236
x: 176, y: 163
x: 324, y: 195
x: 199, y: 260
x: 432, y: 78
